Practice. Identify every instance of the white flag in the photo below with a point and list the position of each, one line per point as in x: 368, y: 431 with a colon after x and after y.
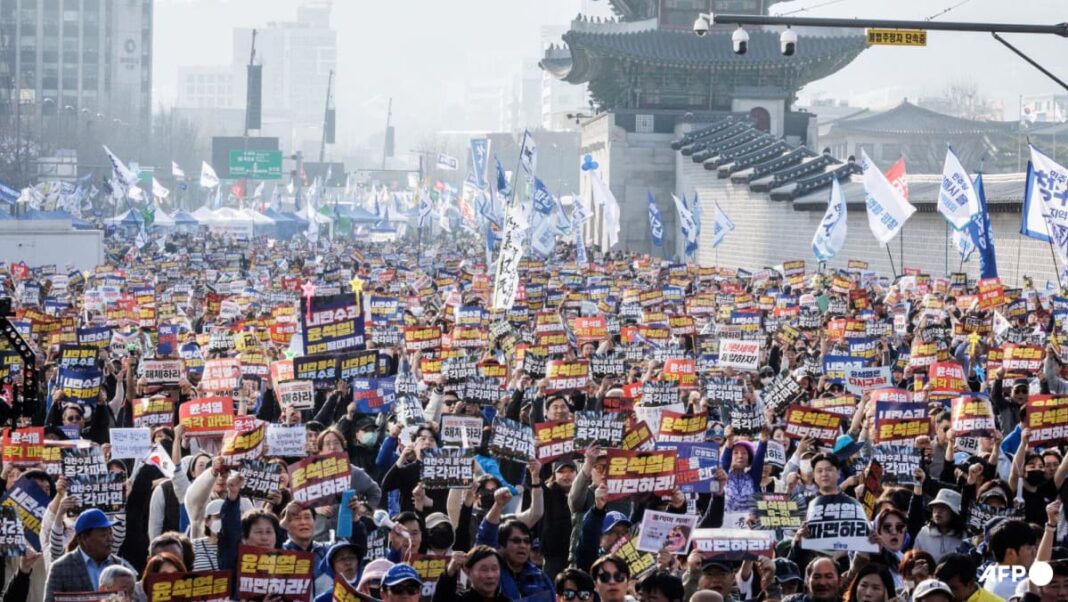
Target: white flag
x: 161, y: 459
x: 1045, y: 214
x: 142, y: 237
x: 887, y: 209
x: 507, y: 283
x: 528, y: 154
x: 687, y: 225
x: 313, y: 225
x: 176, y: 171
x: 158, y: 189
x: 208, y: 179
x: 721, y: 226
x: 831, y: 233
x: 258, y: 193
x: 957, y: 200
x: 122, y: 173
x: 603, y: 196
x: 448, y: 162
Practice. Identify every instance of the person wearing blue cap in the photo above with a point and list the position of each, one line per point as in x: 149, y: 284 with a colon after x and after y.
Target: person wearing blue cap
x: 342, y: 559
x: 401, y: 584
x: 79, y: 570
x: 601, y: 529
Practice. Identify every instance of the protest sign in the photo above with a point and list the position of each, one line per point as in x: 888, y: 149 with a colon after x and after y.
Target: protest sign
x: 843, y: 405
x: 590, y: 330
x: 613, y: 364
x: 775, y: 454
x: 639, y: 563
x: 554, y: 440
x: 860, y: 380
x: 320, y: 480
x: 739, y: 354
x: 242, y: 445
x: 873, y: 487
x: 778, y: 512
x: 161, y: 372
x: 287, y: 441
x: 634, y: 472
x: 837, y: 366
x: 745, y: 419
x: 81, y: 384
x: 221, y: 375
x: 261, y: 571
x: 331, y: 323
x: 1021, y: 360
x: 102, y: 596
x: 451, y: 468
x: 77, y: 356
x: 1047, y: 417
x: 638, y: 437
x: 803, y: 422
x: 200, y: 586
x: 373, y: 395
x: 343, y: 591
x: 261, y: 478
x: 698, y: 464
x: 980, y: 514
x: 421, y: 338
x: 898, y: 462
x: 665, y: 531
x: 299, y: 394
x: 430, y: 568
x: 733, y: 544
x: 782, y: 391
x: 322, y: 371
x: 603, y: 429
x: 83, y: 461
x: 12, y: 534
x: 566, y: 375
x: 946, y: 380
x: 153, y: 411
x: 355, y: 364
x: 659, y: 394
x: 482, y: 391
x: 207, y: 416
x: 23, y: 447
x: 461, y: 431
x: 837, y: 522
x: 29, y: 501
x: 511, y: 440
x: 972, y: 415
x: 106, y: 492
x: 724, y: 389
x: 682, y: 428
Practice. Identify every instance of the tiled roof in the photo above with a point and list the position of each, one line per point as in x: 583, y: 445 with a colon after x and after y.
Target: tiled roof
x: 907, y: 118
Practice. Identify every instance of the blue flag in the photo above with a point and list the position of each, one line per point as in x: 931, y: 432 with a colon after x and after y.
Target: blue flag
x: 831, y: 233
x: 503, y: 189
x: 656, y: 225
x: 543, y: 200
x: 479, y: 149
x: 981, y: 234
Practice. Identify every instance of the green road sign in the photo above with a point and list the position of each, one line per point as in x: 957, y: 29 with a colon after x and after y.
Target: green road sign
x: 259, y: 165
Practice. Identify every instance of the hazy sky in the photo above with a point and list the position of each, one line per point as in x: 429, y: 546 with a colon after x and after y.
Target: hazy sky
x: 424, y: 53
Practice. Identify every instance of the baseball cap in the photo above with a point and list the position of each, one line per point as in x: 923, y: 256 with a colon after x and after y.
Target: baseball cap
x: 91, y: 519
x: 564, y: 463
x: 930, y: 586
x: 717, y: 563
x: 435, y: 519
x: 213, y: 508
x: 612, y: 519
x: 399, y: 573
x: 376, y: 569
x: 786, y: 570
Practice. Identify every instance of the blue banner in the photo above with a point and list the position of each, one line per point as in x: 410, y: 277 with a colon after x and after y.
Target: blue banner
x: 332, y: 323
x: 982, y: 235
x: 543, y: 200
x: 479, y: 160
x: 656, y: 225
x: 30, y: 501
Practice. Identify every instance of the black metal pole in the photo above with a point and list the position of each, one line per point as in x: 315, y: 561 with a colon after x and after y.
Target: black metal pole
x: 1029, y: 60
x: 1060, y: 29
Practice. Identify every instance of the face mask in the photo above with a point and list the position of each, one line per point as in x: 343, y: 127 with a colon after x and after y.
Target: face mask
x: 215, y: 526
x: 485, y: 499
x: 368, y: 438
x: 766, y: 380
x: 806, y: 466
x: 1036, y: 477
x: 440, y: 538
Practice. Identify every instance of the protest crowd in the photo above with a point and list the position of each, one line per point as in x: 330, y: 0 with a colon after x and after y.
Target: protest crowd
x: 222, y: 419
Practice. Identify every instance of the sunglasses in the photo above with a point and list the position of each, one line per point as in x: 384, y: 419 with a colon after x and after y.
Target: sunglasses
x: 519, y: 541
x: 405, y: 589
x: 570, y: 594
x: 605, y: 577
x: 895, y: 528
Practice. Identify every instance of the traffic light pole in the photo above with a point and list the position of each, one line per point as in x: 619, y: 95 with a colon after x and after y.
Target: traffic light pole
x: 1059, y: 29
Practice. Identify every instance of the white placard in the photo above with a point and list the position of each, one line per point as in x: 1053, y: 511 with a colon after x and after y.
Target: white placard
x: 287, y: 441
x: 299, y: 394
x: 130, y: 444
x: 738, y: 354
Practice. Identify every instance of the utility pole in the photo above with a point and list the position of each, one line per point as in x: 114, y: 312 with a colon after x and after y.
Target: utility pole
x: 385, y: 143
x: 326, y: 117
x: 251, y: 59
x: 298, y: 181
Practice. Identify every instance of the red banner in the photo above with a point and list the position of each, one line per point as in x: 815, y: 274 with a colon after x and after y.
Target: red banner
x: 207, y: 416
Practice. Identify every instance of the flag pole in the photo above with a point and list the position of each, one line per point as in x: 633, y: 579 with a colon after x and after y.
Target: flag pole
x: 891, y: 256
x: 947, y: 248
x: 1056, y: 268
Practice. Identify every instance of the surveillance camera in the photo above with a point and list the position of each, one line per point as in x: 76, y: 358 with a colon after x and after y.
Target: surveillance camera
x: 788, y: 42
x: 700, y: 26
x: 740, y: 40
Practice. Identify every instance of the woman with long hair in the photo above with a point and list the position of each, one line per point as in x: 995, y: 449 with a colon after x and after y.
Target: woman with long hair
x: 872, y: 583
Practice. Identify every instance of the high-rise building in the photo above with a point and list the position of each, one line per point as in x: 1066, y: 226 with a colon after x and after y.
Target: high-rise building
x: 70, y: 58
x: 206, y: 88
x: 297, y: 57
x: 559, y: 98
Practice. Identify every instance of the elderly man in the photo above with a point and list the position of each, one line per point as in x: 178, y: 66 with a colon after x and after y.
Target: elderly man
x: 80, y: 569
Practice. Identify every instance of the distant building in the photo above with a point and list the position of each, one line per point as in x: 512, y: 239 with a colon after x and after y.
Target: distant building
x: 206, y: 88
x: 297, y: 57
x: 560, y: 101
x: 88, y: 59
x: 1045, y: 109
